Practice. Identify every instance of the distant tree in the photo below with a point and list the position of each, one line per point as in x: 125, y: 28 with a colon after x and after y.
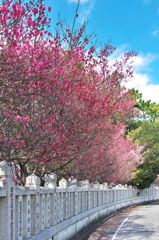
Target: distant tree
x: 145, y: 131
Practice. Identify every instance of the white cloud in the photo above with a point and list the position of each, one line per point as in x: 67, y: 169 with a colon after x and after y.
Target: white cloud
x: 85, y: 12
x: 150, y: 92
x: 142, y: 61
x: 141, y: 78
x: 138, y: 81
x: 143, y: 83
x: 155, y: 33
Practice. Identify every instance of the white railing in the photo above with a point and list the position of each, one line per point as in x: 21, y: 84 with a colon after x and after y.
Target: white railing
x: 45, y: 213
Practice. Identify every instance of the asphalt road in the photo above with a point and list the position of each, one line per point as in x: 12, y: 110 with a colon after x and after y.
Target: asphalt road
x: 137, y: 223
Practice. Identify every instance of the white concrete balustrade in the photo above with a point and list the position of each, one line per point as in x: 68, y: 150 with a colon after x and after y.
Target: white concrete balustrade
x: 58, y: 213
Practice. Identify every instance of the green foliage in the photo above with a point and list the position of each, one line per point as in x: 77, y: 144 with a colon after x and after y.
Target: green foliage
x: 145, y: 131
x: 145, y: 176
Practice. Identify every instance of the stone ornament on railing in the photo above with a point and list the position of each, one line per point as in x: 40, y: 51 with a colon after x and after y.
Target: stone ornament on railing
x: 96, y: 185
x: 84, y: 184
x: 72, y: 182
x: 7, y: 173
x: 50, y: 180
x: 7, y: 170
x: 101, y: 186
x: 63, y: 183
x: 32, y: 181
x: 105, y: 185
x: 119, y: 186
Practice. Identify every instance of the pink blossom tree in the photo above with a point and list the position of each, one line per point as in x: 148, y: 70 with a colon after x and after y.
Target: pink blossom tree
x: 62, y: 109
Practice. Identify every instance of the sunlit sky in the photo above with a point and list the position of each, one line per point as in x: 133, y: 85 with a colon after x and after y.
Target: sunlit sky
x: 130, y: 24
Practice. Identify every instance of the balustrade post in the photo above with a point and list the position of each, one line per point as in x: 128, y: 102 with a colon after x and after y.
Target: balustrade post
x: 7, y: 219
x: 26, y: 216
x: 72, y: 182
x: 87, y: 186
x: 33, y: 182
x: 51, y: 182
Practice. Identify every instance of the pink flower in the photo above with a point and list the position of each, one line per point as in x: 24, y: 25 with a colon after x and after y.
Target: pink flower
x: 18, y: 117
x: 3, y: 8
x: 42, y: 7
x: 28, y: 86
x: 6, y: 113
x: 49, y: 9
x: 6, y: 31
x: 14, y: 44
x: 21, y: 92
x: 10, y: 141
x: 35, y: 11
x: 14, y: 179
x: 25, y: 119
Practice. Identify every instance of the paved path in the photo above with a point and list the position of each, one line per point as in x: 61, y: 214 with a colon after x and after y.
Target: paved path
x: 137, y: 223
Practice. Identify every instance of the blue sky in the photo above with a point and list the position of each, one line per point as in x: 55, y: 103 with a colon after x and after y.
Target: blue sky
x: 131, y: 25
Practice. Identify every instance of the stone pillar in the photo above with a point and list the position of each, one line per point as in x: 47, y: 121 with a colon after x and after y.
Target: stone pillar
x: 116, y: 191
x: 83, y: 200
x: 7, y: 227
x: 86, y: 185
x: 19, y: 218
x: 51, y: 182
x: 27, y: 216
x: 76, y: 201
x: 47, y: 210
x: 42, y: 212
x: 101, y: 193
x: 126, y: 191
x: 33, y: 182
x: 66, y: 205
x: 53, y: 208
x: 105, y: 193
x: 72, y: 203
x: 72, y: 183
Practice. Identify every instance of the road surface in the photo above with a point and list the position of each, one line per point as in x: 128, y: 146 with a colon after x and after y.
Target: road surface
x: 137, y: 223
